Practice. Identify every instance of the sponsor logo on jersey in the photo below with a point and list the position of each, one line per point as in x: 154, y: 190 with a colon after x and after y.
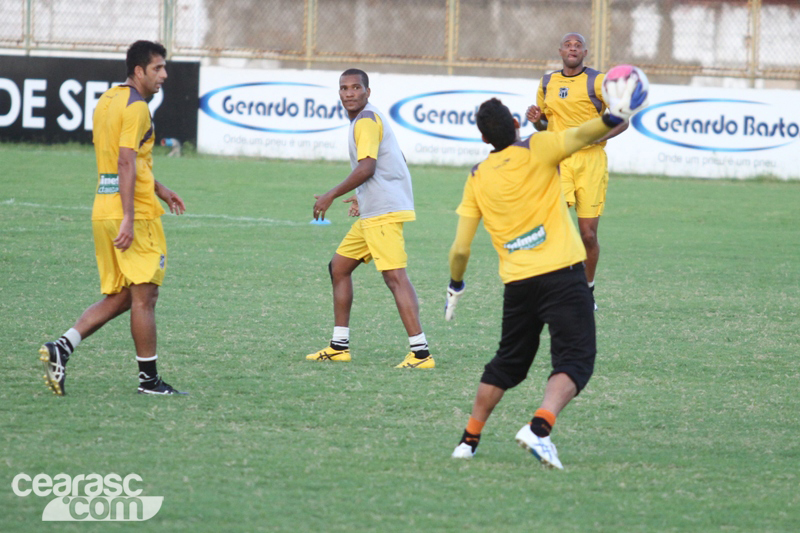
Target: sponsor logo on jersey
x: 108, y: 184
x: 527, y: 241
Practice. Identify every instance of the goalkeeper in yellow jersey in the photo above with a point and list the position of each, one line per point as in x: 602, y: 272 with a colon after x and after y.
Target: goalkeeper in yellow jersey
x: 566, y: 99
x: 516, y: 192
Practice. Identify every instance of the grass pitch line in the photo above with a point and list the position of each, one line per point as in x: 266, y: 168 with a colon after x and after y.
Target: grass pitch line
x: 11, y: 202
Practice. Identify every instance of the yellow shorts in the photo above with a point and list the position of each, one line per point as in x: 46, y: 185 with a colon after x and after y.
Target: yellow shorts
x: 144, y: 262
x: 584, y: 181
x: 384, y: 243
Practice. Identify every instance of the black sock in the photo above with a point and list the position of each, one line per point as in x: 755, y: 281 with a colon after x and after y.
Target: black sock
x: 472, y: 440
x: 422, y: 354
x: 456, y: 285
x: 540, y: 427
x: 339, y: 347
x: 147, y: 371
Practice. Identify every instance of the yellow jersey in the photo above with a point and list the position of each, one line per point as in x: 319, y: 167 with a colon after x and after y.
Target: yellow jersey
x: 569, y: 101
x: 517, y: 193
x: 122, y: 120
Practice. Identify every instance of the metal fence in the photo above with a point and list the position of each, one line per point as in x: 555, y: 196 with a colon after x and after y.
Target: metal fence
x: 755, y: 39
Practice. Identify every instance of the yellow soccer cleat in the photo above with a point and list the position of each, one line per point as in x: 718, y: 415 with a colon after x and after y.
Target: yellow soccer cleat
x: 412, y: 362
x: 329, y: 354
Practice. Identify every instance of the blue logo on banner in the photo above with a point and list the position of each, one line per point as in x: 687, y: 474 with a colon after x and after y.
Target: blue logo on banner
x: 697, y: 124
x: 237, y: 106
x: 447, y: 115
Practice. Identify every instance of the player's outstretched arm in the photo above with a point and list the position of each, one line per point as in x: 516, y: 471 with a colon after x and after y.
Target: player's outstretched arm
x: 459, y: 257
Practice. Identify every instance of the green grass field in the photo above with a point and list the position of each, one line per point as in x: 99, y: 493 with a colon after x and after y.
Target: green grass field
x: 690, y: 422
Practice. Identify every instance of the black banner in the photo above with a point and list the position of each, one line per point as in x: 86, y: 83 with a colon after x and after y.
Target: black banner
x: 51, y: 99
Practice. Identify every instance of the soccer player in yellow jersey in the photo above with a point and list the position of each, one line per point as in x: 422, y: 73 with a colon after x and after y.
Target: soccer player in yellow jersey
x: 129, y: 241
x: 384, y: 201
x: 516, y: 191
x: 564, y: 100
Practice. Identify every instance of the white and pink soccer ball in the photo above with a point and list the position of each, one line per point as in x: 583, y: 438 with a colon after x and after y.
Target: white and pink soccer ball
x: 625, y: 90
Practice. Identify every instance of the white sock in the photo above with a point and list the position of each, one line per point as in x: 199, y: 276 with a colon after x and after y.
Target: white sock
x: 341, y: 336
x: 418, y: 342
x: 73, y: 337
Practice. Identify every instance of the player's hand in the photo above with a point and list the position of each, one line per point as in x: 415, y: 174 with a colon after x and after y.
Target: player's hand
x: 124, y: 238
x: 451, y: 299
x: 534, y: 113
x: 170, y: 198
x: 322, y: 204
x: 353, y: 201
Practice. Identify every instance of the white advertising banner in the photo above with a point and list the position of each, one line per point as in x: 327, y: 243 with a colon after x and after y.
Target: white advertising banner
x: 296, y: 114
x: 687, y: 131
x: 712, y: 133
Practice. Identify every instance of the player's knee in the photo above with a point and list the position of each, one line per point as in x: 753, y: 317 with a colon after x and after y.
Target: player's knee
x: 397, y: 279
x: 502, y: 376
x: 589, y: 238
x: 580, y: 374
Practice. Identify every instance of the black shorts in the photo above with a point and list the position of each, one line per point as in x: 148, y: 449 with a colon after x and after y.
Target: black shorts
x: 560, y: 299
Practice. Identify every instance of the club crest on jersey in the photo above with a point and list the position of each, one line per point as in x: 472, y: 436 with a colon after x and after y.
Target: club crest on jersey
x: 527, y: 241
x: 563, y: 91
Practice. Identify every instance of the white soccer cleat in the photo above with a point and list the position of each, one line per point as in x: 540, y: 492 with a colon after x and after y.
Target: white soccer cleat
x: 625, y: 91
x: 451, y: 300
x: 463, y: 451
x: 540, y: 447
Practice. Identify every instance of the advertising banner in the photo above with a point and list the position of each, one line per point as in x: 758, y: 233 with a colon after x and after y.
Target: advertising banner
x: 297, y: 114
x: 687, y: 131
x: 51, y: 99
x: 712, y: 133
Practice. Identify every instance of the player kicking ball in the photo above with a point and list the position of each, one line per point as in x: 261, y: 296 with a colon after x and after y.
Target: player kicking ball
x: 517, y: 193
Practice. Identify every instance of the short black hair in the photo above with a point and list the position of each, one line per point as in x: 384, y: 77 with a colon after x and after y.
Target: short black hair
x: 496, y: 124
x: 357, y: 72
x: 141, y: 53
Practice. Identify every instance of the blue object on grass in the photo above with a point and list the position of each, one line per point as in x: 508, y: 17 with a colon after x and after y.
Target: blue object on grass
x: 320, y: 222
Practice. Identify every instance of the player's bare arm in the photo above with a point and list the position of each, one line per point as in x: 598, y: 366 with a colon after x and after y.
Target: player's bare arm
x: 363, y: 171
x: 126, y: 171
x: 169, y: 197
